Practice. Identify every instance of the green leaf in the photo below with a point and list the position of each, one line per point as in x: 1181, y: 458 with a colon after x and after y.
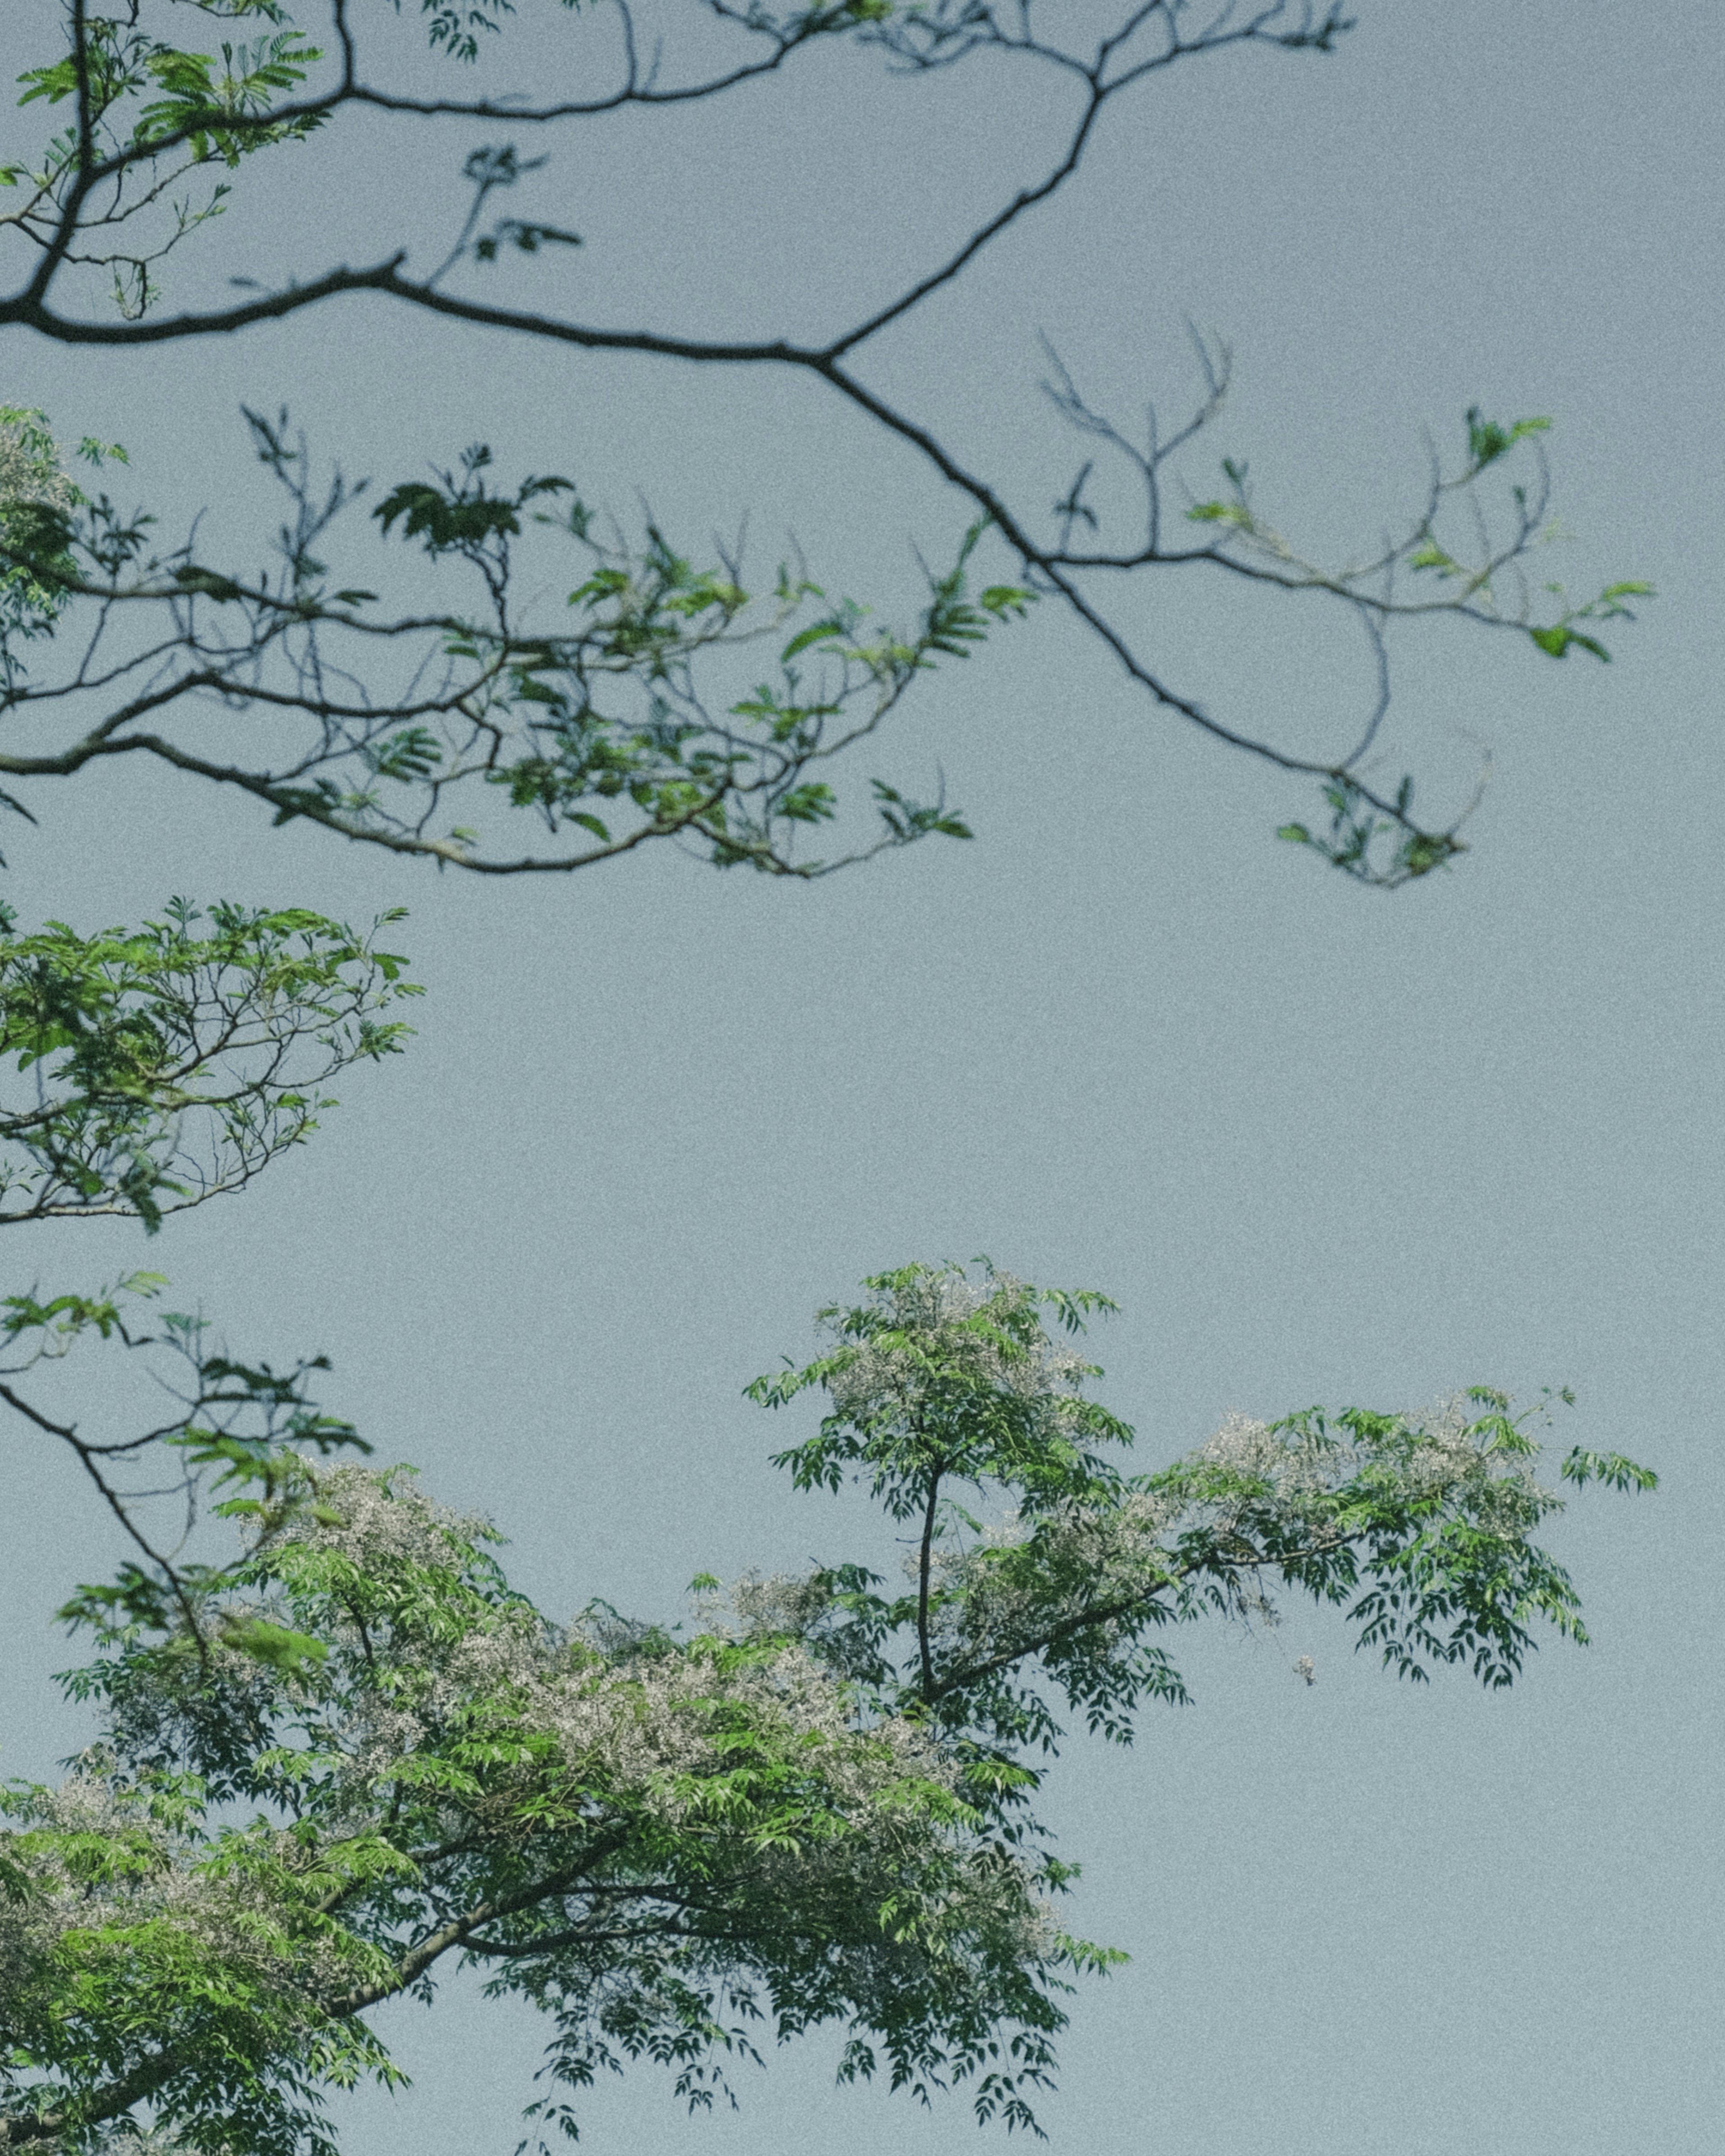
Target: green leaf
x: 1432, y: 556
x: 1558, y: 639
x: 1614, y: 1469
x: 1487, y: 441
x: 276, y: 1645
x: 820, y: 632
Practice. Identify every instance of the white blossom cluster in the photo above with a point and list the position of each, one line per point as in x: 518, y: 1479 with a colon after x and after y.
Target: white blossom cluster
x: 1089, y: 1556
x: 1086, y: 1557
x: 30, y: 469
x: 1244, y: 1446
x: 1500, y: 1490
x: 939, y: 1306
x: 374, y: 1520
x: 1446, y: 1456
x: 645, y: 1724
x: 770, y: 1604
x: 133, y: 2140
x: 157, y: 1879
x: 652, y: 1729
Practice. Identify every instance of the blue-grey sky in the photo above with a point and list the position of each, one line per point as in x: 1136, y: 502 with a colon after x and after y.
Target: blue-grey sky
x: 1320, y: 1143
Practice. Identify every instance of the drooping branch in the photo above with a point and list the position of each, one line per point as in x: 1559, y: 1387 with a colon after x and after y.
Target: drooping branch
x: 249, y: 114
x: 610, y: 735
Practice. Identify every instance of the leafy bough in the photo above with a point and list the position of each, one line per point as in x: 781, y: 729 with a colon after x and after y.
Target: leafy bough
x: 815, y: 1807
x: 1468, y: 550
x: 948, y: 1392
x: 153, y: 1068
x: 143, y: 1072
x: 658, y: 1842
x: 104, y: 199
x: 606, y: 733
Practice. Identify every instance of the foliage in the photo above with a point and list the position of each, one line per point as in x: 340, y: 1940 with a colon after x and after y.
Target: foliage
x: 239, y: 1431
x: 151, y: 1069
x: 1418, y: 1526
x: 607, y: 733
x: 814, y: 1808
x: 157, y: 1067
x: 364, y: 722
x: 658, y: 1842
x: 352, y: 1757
x: 37, y: 499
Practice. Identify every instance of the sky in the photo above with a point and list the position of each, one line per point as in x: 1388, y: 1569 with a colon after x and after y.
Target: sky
x: 1320, y: 1143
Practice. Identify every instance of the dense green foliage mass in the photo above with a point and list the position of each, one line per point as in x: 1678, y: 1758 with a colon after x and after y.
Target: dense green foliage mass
x: 356, y: 1755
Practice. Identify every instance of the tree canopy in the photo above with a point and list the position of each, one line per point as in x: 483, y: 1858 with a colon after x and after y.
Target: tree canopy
x: 338, y: 1753
x: 356, y: 1754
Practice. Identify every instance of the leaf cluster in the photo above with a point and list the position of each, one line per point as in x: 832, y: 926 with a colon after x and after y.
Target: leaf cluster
x: 142, y: 1072
x: 154, y: 1067
x: 630, y: 721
